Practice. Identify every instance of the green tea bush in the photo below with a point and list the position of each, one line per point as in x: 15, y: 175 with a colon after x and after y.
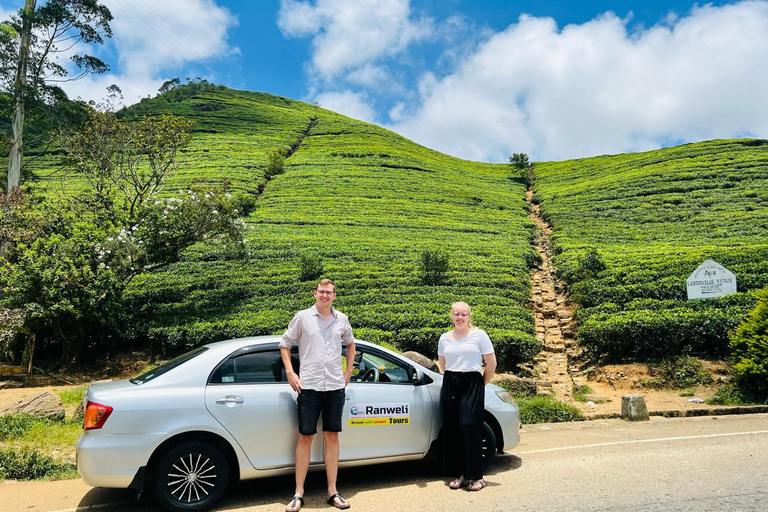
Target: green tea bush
x: 642, y: 334
x: 652, y: 218
x: 363, y: 198
x: 749, y: 346
x: 513, y: 347
x: 30, y: 465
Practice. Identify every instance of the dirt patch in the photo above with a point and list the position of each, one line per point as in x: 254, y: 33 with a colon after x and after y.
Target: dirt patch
x: 609, y: 383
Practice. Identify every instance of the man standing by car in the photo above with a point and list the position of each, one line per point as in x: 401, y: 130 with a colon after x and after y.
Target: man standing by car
x: 319, y: 332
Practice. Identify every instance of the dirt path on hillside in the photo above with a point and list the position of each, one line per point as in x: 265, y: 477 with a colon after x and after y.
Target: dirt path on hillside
x: 558, y: 362
x: 554, y: 320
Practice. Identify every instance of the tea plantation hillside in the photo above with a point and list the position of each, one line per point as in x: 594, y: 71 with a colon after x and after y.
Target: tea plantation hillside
x: 363, y: 199
x: 629, y: 229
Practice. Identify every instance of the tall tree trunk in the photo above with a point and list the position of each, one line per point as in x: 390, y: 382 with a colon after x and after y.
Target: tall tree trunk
x: 20, y: 102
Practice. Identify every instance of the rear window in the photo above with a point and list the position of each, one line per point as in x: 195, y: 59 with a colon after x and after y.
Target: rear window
x: 167, y: 366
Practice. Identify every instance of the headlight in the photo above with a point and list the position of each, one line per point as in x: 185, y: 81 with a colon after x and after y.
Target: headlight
x: 505, y: 396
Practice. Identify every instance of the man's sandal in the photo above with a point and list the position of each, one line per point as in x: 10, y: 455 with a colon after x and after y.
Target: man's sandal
x: 457, y: 483
x: 342, y: 504
x: 295, y: 505
x: 476, y: 485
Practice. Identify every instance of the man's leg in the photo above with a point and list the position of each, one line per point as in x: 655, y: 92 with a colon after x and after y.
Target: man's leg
x: 302, y: 462
x: 333, y: 406
x: 331, y: 460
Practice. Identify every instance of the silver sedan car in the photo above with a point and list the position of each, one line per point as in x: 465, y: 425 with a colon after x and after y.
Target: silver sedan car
x: 225, y: 412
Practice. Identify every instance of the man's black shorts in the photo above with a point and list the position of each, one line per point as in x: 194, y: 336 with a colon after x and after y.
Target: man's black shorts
x: 311, y: 403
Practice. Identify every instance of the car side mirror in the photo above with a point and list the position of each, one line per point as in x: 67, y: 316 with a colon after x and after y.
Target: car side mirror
x: 417, y: 376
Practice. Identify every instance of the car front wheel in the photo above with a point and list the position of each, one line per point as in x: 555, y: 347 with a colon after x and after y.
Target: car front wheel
x: 191, y: 477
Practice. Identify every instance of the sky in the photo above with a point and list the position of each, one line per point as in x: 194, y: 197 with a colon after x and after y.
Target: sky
x: 555, y: 79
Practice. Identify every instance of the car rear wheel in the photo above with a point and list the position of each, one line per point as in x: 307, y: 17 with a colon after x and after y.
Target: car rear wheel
x: 191, y: 477
x: 489, y: 445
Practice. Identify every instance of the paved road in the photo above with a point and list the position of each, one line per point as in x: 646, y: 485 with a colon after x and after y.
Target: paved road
x: 681, y: 464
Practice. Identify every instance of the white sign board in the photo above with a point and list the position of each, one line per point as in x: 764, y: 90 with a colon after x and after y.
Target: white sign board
x: 710, y: 280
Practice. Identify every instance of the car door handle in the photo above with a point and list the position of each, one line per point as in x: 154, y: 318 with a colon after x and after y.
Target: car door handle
x: 347, y: 398
x: 230, y: 400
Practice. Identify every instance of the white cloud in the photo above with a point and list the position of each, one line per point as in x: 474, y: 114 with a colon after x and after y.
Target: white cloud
x: 595, y: 88
x: 349, y: 103
x: 348, y: 35
x: 154, y: 40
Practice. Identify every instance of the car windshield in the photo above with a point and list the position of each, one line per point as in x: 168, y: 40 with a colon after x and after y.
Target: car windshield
x: 165, y: 367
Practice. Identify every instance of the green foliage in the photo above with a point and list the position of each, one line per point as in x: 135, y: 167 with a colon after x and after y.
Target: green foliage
x: 275, y: 162
x: 749, y: 346
x: 652, y: 219
x: 74, y: 396
x: 580, y: 392
x: 31, y: 465
x: 586, y: 264
x: 520, y: 162
x: 364, y: 199
x: 679, y: 372
x: 545, y: 409
x: 13, y: 426
x: 433, y: 266
x: 57, y: 280
x: 72, y: 259
x: 651, y: 334
x: 732, y: 394
x: 310, y: 267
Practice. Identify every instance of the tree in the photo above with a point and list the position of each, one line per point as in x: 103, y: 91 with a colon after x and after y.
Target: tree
x: 70, y: 262
x: 30, y: 45
x: 520, y: 162
x: 749, y: 346
x: 433, y: 266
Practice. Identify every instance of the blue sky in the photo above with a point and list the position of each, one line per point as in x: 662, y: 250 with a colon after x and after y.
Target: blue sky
x: 476, y: 79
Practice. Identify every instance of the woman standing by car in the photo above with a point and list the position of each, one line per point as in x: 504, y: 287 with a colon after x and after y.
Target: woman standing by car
x: 461, y: 353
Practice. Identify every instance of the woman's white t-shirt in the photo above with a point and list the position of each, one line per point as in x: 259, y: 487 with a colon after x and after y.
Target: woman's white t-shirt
x: 466, y: 354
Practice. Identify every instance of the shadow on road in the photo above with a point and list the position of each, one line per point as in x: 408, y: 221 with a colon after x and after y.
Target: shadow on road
x: 277, y: 491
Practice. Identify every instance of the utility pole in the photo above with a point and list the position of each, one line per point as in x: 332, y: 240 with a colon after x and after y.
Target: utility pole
x: 19, y: 100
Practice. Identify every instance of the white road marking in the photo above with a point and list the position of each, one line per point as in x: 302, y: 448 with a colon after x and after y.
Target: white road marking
x: 638, y: 441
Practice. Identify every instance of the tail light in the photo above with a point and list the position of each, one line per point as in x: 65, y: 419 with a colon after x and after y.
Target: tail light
x: 95, y: 415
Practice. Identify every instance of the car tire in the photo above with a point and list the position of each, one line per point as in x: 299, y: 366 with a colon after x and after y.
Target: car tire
x: 489, y: 445
x: 191, y: 477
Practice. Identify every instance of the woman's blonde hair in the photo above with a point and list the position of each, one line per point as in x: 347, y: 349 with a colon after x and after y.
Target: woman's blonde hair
x: 469, y: 310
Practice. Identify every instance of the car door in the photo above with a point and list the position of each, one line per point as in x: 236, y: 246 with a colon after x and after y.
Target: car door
x: 248, y: 393
x: 385, y: 414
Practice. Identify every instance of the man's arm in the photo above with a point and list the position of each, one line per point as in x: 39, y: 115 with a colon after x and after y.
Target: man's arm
x: 350, y: 362
x: 293, y: 379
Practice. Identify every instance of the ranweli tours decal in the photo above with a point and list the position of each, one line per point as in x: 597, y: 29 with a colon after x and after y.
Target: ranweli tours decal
x: 398, y: 413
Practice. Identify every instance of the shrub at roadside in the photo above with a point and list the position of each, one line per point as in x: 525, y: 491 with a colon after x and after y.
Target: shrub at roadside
x: 25, y: 441
x: 545, y: 409
x: 679, y: 372
x: 749, y: 345
x: 30, y: 465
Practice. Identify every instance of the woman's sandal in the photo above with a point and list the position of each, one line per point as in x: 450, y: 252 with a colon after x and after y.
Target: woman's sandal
x: 476, y: 485
x: 457, y: 483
